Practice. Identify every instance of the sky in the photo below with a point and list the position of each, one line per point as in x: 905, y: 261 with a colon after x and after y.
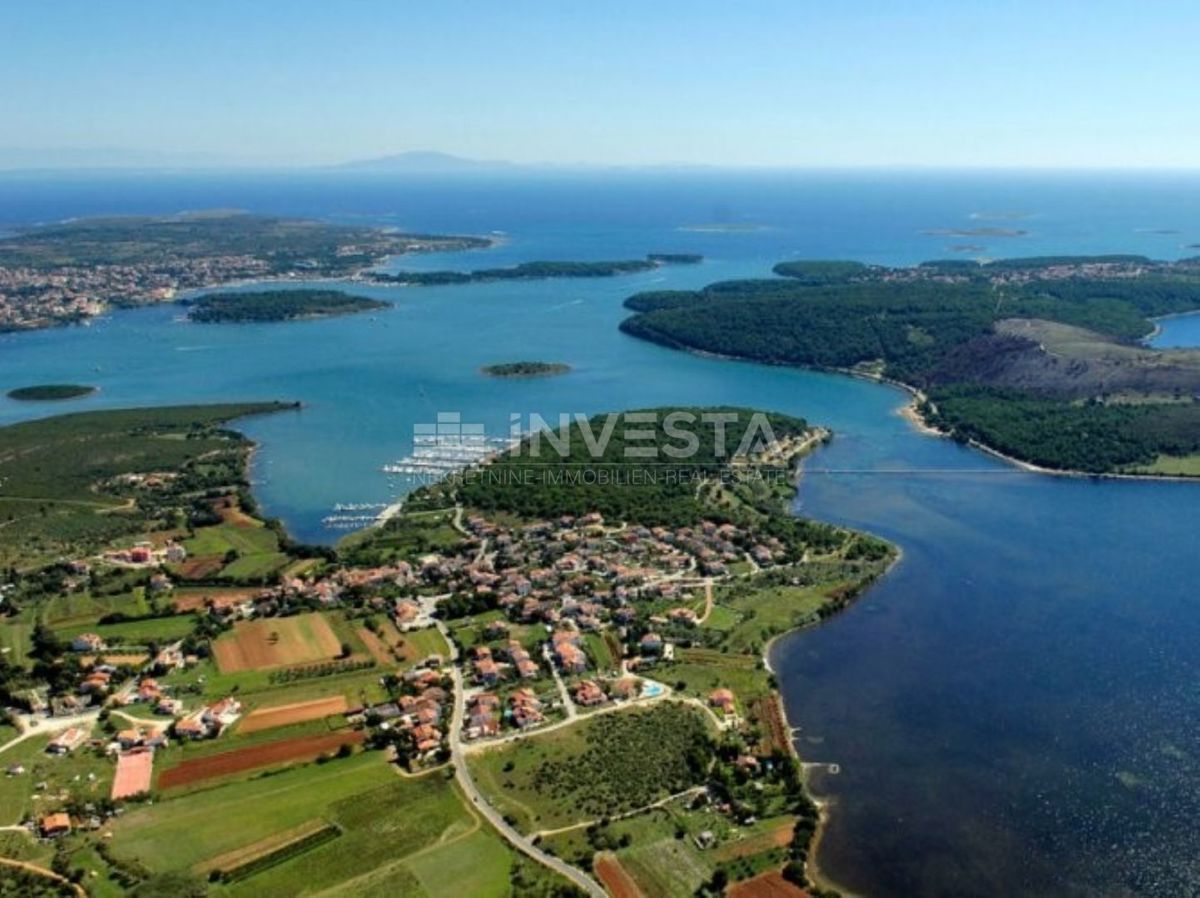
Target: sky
x: 834, y: 83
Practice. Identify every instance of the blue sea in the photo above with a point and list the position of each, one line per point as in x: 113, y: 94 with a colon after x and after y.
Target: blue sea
x: 1015, y: 709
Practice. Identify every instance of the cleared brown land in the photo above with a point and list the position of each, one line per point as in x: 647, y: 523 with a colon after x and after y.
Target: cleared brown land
x: 775, y: 838
x: 304, y: 748
x: 136, y: 659
x: 276, y: 642
x: 194, y: 601
x: 239, y: 857
x: 766, y: 885
x: 135, y: 771
x: 296, y: 712
x: 232, y: 514
x: 769, y: 715
x: 197, y: 568
x: 376, y: 647
x: 613, y: 877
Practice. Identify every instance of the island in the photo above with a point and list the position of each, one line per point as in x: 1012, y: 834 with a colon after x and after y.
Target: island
x: 528, y: 271
x: 71, y: 272
x: 559, y: 656
x: 277, y: 305
x: 975, y: 232
x: 1040, y: 360
x: 50, y: 392
x: 526, y: 369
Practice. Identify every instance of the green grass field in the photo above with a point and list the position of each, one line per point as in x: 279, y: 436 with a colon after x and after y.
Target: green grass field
x: 1176, y: 466
x: 256, y: 548
x: 254, y: 567
x: 181, y: 832
x: 420, y: 644
x: 82, y: 609
x: 135, y: 632
x: 701, y: 671
x: 404, y: 536
x: 395, y: 831
x: 15, y: 637
x: 599, y: 652
x: 763, y: 612
x: 255, y: 689
x: 63, y: 774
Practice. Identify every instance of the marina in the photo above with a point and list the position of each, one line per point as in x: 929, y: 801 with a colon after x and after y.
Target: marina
x: 436, y: 456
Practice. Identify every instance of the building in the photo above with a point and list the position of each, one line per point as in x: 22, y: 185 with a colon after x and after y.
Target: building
x: 53, y: 825
x: 67, y: 741
x: 589, y: 694
x: 87, y: 642
x: 722, y: 700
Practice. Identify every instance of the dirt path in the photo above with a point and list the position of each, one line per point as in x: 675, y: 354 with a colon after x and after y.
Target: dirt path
x: 42, y: 871
x: 708, y: 600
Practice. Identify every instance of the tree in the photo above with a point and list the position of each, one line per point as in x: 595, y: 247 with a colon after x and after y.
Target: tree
x: 170, y: 885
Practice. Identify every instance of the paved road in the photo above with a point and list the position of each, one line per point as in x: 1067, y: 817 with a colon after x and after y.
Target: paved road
x: 568, y: 705
x: 463, y: 776
x: 37, y: 724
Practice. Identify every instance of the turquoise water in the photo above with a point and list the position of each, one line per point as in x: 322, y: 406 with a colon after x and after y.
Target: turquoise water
x: 1015, y: 709
x: 1182, y: 330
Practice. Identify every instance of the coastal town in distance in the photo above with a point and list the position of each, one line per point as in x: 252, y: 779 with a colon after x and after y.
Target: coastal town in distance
x: 752, y: 455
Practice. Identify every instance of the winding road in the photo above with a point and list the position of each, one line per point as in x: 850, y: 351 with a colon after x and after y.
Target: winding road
x: 462, y: 775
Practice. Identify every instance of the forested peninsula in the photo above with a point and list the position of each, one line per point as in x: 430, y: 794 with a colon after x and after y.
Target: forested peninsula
x: 530, y: 271
x: 1040, y: 359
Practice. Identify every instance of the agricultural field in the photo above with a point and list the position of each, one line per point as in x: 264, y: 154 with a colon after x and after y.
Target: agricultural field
x: 195, y: 598
x: 361, y: 830
x: 140, y: 631
x: 609, y: 764
x: 269, y: 642
x: 262, y: 688
x: 244, y: 757
x: 272, y: 716
x: 766, y: 885
x: 67, y: 610
x: 240, y: 548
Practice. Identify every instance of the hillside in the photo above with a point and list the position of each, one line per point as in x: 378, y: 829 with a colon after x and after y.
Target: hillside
x: 1062, y: 332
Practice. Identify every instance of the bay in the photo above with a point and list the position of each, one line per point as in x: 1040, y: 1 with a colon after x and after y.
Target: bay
x: 1015, y: 708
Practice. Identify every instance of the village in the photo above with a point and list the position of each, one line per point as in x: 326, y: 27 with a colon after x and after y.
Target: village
x: 543, y: 622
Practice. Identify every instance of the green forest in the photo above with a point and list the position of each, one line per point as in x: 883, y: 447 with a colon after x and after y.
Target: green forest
x: 525, y: 369
x: 277, y: 305
x: 528, y: 271
x: 946, y: 328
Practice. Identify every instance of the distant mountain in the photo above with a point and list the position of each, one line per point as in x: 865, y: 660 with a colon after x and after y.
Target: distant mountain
x: 423, y: 162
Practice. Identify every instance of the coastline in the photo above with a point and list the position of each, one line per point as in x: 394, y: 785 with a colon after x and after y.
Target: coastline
x: 911, y: 414
x: 1158, y: 328
x: 812, y: 866
x: 174, y: 295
